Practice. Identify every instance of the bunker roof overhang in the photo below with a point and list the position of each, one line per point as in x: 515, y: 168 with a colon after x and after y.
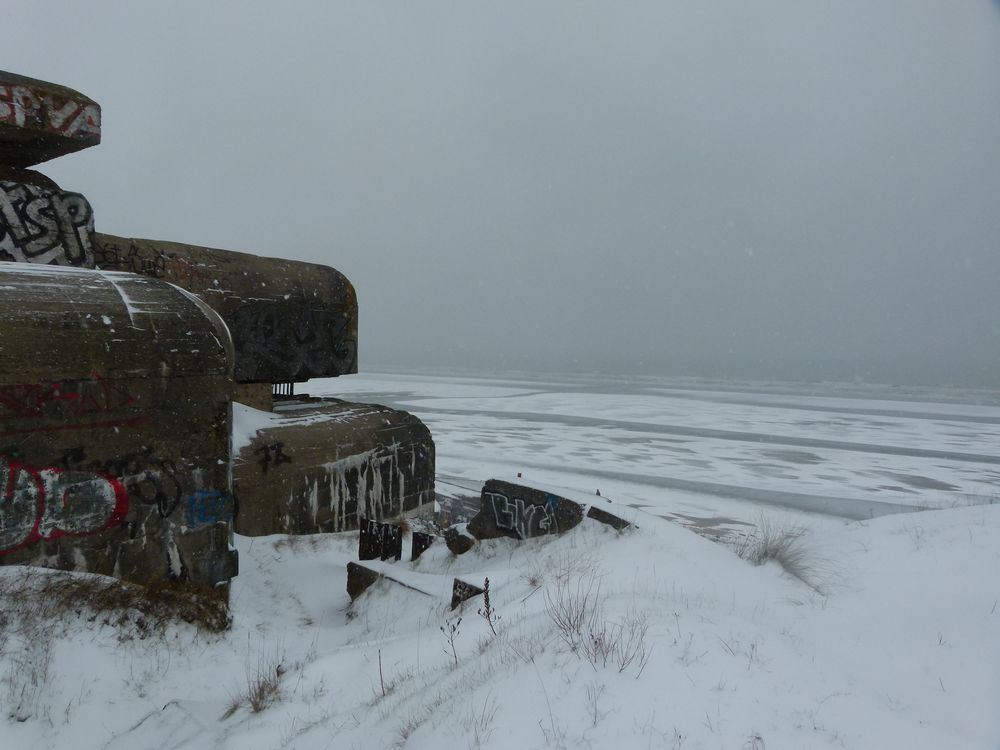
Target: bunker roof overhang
x: 66, y: 323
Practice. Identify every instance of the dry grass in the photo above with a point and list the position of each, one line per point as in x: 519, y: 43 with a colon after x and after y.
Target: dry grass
x: 403, y: 522
x: 785, y: 545
x: 576, y: 609
x: 142, y: 610
x: 263, y: 687
x: 41, y: 605
x: 263, y: 683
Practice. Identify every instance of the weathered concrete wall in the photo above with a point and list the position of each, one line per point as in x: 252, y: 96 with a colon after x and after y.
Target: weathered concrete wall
x: 114, y: 426
x: 256, y: 395
x: 321, y: 466
x: 290, y: 321
x: 40, y: 121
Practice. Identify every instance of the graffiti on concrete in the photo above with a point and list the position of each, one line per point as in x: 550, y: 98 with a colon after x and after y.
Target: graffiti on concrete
x: 291, y: 339
x: 22, y: 106
x: 47, y: 503
x: 522, y: 512
x: 66, y: 402
x: 38, y: 225
x: 206, y: 507
x: 273, y: 453
x: 524, y: 518
x: 148, y: 260
x: 114, y: 258
x: 66, y: 406
x: 149, y: 479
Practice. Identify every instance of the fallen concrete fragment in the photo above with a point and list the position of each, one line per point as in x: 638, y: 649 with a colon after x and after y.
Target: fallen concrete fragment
x: 420, y: 543
x: 603, y: 516
x: 379, y: 540
x: 462, y: 591
x: 459, y: 540
x: 520, y: 512
x: 41, y: 120
x: 360, y: 579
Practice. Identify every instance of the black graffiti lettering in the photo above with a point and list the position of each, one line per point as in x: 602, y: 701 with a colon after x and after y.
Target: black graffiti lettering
x: 112, y: 258
x: 148, y: 478
x: 40, y: 225
x: 281, y: 342
x: 273, y: 453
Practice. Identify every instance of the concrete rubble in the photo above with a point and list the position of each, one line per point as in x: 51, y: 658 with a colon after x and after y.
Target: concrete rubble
x: 506, y: 511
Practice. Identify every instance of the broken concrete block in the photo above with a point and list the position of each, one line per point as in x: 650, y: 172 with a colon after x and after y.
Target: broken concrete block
x: 42, y: 224
x: 379, y: 541
x: 462, y: 591
x: 459, y: 540
x: 40, y: 121
x: 603, y: 516
x: 420, y: 543
x: 360, y: 579
x: 521, y: 512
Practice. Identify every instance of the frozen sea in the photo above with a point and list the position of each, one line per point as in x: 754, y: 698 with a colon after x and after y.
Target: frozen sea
x: 708, y: 453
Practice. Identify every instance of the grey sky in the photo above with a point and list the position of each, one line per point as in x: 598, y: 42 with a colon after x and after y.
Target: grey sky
x: 759, y: 189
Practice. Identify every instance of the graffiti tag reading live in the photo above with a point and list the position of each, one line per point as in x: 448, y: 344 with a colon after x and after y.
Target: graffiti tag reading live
x: 47, y: 503
x: 525, y: 518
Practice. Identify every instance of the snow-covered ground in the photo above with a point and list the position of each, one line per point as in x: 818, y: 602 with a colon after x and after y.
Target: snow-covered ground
x: 891, y: 641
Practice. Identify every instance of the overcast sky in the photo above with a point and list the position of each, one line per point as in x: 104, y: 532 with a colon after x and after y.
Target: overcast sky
x: 804, y: 189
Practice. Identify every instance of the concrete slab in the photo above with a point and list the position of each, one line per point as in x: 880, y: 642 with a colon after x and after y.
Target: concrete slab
x: 41, y: 121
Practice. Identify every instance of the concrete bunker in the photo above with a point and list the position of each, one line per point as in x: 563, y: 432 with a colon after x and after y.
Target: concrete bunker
x: 99, y: 375
x: 119, y: 377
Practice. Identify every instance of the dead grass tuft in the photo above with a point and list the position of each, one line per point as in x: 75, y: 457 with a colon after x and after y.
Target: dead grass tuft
x: 263, y: 687
x: 263, y: 683
x: 402, y: 522
x: 142, y: 609
x: 786, y: 546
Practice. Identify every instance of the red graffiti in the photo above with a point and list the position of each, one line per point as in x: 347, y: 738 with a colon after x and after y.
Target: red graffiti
x: 31, y: 400
x: 65, y: 405
x: 48, y: 503
x: 26, y: 106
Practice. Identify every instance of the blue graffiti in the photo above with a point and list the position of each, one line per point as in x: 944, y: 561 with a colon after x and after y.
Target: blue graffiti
x: 206, y: 507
